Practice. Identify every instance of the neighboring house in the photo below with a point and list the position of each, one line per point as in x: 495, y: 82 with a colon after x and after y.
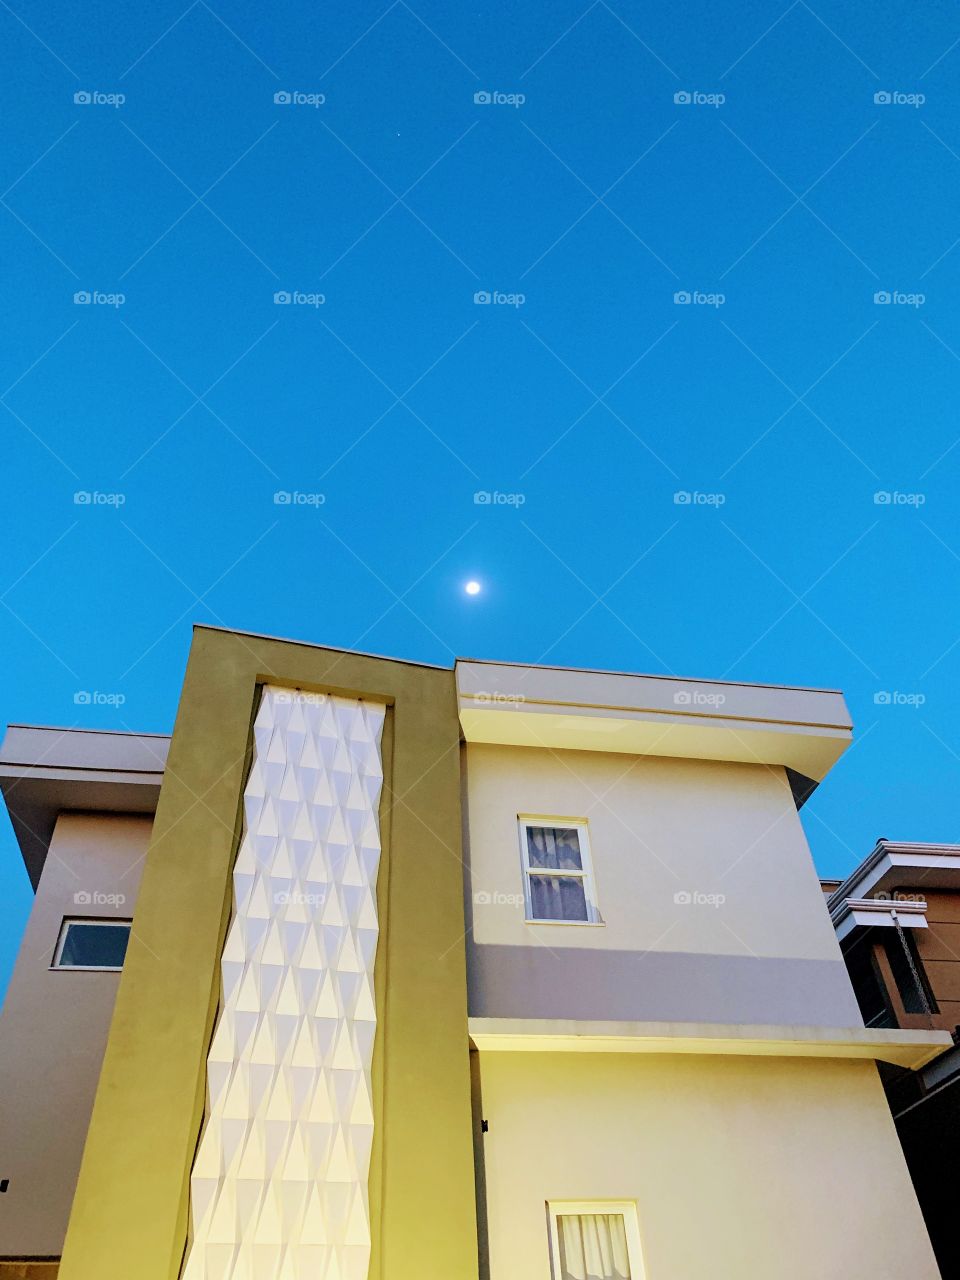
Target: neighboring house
x: 486, y: 972
x: 897, y: 918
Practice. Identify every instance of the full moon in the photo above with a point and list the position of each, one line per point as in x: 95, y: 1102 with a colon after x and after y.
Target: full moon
x: 472, y: 588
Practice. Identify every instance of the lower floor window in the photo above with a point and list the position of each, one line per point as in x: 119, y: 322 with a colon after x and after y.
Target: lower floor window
x: 595, y: 1240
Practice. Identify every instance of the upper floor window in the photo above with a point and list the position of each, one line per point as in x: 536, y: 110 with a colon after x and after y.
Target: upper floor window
x: 92, y: 944
x: 558, y: 883
x: 595, y: 1239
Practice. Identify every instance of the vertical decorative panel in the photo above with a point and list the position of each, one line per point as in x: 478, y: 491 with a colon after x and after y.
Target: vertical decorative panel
x: 279, y: 1183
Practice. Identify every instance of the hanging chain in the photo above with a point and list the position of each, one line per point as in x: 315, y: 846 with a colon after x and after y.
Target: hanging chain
x: 918, y: 982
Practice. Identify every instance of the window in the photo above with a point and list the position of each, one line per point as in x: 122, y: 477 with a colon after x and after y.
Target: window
x: 595, y: 1240
x: 557, y: 877
x: 92, y: 944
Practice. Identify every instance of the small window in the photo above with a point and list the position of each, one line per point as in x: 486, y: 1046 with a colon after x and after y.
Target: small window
x: 595, y: 1240
x: 92, y: 944
x: 558, y: 878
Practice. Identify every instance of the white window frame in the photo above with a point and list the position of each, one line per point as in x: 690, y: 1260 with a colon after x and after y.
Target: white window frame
x: 525, y: 820
x: 85, y: 968
x: 631, y: 1225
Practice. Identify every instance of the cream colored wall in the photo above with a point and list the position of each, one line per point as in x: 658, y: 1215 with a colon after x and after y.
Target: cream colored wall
x: 53, y: 1029
x: 740, y: 1167
x: 662, y: 831
x: 658, y: 827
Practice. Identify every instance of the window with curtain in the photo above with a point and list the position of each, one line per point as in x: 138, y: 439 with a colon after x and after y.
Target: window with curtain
x: 599, y: 1241
x: 558, y: 879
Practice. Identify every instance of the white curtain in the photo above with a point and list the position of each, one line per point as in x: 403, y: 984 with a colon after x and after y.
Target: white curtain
x: 593, y: 1246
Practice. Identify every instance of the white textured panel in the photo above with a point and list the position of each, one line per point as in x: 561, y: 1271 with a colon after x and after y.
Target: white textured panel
x: 279, y: 1183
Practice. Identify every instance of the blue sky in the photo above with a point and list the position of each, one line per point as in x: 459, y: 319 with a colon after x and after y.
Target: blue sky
x: 781, y: 198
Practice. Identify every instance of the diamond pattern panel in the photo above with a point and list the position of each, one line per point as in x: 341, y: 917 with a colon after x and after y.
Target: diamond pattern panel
x: 279, y: 1182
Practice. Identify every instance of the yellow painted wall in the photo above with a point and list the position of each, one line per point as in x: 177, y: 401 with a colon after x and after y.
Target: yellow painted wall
x: 129, y: 1215
x: 741, y: 1168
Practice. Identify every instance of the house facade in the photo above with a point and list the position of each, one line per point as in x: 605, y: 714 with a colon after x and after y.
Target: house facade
x: 382, y: 970
x: 897, y: 918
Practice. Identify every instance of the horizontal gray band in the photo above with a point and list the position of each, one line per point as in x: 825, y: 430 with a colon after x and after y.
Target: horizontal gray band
x: 538, y: 981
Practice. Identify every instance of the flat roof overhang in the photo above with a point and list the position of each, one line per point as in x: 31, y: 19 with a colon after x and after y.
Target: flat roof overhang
x: 852, y: 914
x: 898, y: 865
x: 46, y: 771
x: 913, y: 1049
x: 803, y: 730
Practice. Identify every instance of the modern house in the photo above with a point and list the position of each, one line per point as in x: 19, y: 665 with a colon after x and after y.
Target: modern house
x: 386, y: 971
x: 897, y: 918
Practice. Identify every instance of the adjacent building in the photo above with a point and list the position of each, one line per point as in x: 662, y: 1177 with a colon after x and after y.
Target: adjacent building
x: 897, y: 918
x: 382, y: 971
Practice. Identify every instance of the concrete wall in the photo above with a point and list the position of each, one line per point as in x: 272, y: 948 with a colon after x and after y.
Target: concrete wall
x: 713, y: 911
x: 53, y: 1030
x: 130, y: 1212
x: 740, y: 1167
